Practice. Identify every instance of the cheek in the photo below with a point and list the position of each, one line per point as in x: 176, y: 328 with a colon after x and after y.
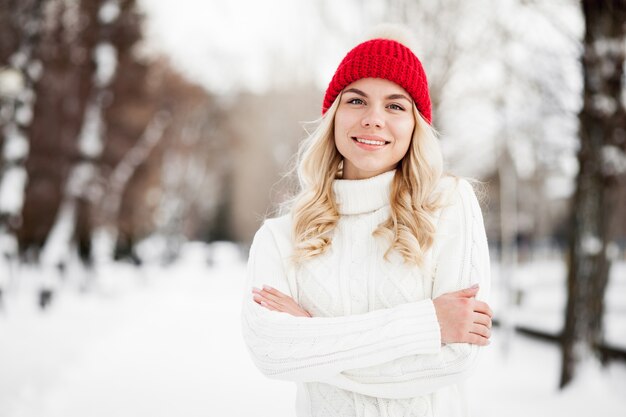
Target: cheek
x: 340, y: 129
x: 338, y: 138
x: 340, y: 123
x: 404, y: 133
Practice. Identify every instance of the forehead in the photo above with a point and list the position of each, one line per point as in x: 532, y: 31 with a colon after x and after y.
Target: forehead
x: 377, y: 86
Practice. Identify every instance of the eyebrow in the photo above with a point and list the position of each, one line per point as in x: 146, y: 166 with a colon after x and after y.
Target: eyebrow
x: 389, y: 97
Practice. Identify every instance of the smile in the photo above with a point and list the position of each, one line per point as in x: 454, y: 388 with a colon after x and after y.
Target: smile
x: 370, y: 141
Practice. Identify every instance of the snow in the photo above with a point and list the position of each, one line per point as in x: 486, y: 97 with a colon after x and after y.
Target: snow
x: 609, y: 47
x: 157, y: 342
x: 152, y: 249
x: 612, y: 251
x: 8, y: 255
x: 109, y: 11
x: 15, y: 145
x: 8, y: 244
x: 604, y: 104
x: 35, y: 69
x: 539, y: 289
x: 11, y: 82
x: 90, y: 141
x: 103, y: 244
x: 105, y: 56
x: 558, y: 187
x: 590, y: 244
x: 164, y: 341
x: 24, y: 115
x: 12, y: 190
x: 19, y: 59
x: 57, y: 246
x: 613, y: 160
x: 524, y: 382
x: 80, y: 175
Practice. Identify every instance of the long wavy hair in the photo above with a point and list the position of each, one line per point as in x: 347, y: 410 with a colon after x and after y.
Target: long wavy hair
x: 410, y: 228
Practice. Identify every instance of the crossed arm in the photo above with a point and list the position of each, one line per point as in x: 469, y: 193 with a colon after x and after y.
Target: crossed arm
x: 462, y: 318
x: 405, y: 351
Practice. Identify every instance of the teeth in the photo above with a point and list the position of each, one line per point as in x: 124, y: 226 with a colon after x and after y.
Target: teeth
x: 371, y: 142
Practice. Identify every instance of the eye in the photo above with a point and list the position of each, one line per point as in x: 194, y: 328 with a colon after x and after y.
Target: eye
x: 395, y: 106
x: 355, y: 100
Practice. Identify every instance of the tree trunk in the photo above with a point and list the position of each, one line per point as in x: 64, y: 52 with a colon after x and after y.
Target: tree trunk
x: 17, y: 97
x: 601, y: 164
x: 90, y: 141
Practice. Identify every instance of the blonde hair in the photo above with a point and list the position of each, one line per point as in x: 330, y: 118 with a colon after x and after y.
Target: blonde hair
x: 409, y: 229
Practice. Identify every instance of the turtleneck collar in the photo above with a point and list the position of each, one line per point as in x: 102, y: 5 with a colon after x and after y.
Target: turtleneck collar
x: 363, y: 196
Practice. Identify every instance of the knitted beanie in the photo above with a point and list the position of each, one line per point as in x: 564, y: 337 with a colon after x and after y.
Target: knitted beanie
x: 382, y: 58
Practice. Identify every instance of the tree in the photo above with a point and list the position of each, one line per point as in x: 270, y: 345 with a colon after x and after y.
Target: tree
x: 20, y: 69
x: 601, y: 164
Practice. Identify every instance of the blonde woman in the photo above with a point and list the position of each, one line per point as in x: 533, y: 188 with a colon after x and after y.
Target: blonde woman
x: 367, y: 293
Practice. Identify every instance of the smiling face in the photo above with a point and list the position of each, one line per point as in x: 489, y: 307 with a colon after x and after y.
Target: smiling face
x: 373, y: 127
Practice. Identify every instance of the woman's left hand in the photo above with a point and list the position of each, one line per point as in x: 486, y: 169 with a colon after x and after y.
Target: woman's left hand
x: 274, y: 300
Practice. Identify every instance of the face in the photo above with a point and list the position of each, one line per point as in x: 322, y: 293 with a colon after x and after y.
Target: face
x: 373, y: 127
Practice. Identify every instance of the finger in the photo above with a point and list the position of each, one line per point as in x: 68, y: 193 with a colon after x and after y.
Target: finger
x: 265, y: 302
x: 259, y: 291
x: 482, y: 307
x: 480, y: 330
x: 270, y: 293
x: 274, y: 291
x: 483, y: 319
x: 475, y: 339
x: 260, y: 300
x: 273, y: 297
x: 273, y: 305
x: 269, y: 306
x: 468, y: 292
x: 279, y: 301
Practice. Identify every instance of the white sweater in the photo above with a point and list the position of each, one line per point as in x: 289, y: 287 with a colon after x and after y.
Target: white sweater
x: 373, y: 346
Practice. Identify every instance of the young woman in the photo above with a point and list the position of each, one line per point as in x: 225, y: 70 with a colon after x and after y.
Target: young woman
x: 366, y: 293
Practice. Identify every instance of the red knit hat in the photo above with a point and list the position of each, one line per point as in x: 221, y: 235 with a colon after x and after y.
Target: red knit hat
x: 382, y: 58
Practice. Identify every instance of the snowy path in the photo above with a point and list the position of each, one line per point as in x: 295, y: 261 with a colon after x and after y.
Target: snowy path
x: 170, y: 345
x: 169, y: 348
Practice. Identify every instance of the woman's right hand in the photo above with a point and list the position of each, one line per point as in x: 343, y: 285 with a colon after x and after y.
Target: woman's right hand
x: 274, y: 300
x: 462, y: 318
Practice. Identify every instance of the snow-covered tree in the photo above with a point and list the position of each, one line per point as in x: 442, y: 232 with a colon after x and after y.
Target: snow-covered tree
x: 602, y: 162
x: 19, y: 71
x: 102, y: 15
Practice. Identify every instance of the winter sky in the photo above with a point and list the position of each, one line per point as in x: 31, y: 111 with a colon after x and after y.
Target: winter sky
x: 243, y: 43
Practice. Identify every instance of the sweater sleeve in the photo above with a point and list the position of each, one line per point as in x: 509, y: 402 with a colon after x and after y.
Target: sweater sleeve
x: 307, y: 349
x: 461, y: 259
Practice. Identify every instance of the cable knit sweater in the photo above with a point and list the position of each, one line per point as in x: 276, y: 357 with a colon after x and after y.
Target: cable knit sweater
x: 373, y: 346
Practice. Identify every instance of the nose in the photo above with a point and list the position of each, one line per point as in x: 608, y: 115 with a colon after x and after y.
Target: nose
x: 373, y: 118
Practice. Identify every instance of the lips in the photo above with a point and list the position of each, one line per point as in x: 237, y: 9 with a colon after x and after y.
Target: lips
x: 375, y: 141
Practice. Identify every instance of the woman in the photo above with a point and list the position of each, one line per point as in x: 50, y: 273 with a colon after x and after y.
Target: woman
x: 362, y: 294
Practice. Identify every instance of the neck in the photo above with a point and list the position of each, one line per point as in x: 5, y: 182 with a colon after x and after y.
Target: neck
x: 350, y: 172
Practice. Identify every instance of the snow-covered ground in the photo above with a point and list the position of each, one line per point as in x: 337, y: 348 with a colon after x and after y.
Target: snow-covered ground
x: 166, y: 342
x: 539, y: 298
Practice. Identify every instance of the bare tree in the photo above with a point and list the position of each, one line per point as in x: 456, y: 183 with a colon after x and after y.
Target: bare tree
x: 601, y: 162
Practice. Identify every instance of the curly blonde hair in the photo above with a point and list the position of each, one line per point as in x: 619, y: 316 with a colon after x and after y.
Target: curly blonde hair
x: 409, y: 229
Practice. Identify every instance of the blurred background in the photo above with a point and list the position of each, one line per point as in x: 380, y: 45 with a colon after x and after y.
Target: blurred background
x: 144, y: 141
